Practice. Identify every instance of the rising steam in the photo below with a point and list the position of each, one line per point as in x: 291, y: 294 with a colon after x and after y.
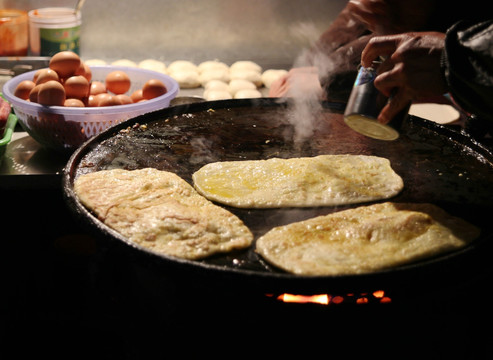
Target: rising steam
x: 305, y: 91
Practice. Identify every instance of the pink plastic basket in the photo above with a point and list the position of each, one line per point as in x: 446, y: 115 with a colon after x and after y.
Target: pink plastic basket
x: 66, y: 128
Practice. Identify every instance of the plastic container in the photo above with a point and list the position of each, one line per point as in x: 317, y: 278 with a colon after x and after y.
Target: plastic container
x: 7, y: 135
x: 13, y: 32
x: 54, y: 29
x: 66, y: 128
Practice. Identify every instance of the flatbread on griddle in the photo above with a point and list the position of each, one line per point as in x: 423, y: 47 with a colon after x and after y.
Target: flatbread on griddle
x: 298, y: 182
x: 162, y: 212
x: 364, y: 239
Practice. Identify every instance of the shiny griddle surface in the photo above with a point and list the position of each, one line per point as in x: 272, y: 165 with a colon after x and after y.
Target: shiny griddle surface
x: 437, y: 165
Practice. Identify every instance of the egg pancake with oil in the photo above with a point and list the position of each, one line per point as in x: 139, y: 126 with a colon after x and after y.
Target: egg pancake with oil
x: 162, y: 212
x: 364, y: 239
x: 298, y: 182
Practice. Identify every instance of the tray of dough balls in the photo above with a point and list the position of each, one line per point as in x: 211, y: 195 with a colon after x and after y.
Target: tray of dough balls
x: 211, y: 79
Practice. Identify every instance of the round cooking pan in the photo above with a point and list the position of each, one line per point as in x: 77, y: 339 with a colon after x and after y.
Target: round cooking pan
x: 438, y: 165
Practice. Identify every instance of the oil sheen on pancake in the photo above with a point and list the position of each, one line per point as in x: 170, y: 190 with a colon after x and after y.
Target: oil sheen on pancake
x: 364, y: 239
x: 323, y: 180
x: 162, y: 212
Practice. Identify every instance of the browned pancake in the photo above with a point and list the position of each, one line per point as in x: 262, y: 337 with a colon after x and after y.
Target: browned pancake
x: 364, y: 239
x: 298, y: 182
x: 162, y: 212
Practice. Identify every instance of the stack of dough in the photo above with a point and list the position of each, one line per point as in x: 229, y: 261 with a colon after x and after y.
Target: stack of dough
x: 213, y: 70
x: 242, y: 89
x: 217, y: 90
x: 246, y: 70
x: 241, y: 80
x: 237, y: 89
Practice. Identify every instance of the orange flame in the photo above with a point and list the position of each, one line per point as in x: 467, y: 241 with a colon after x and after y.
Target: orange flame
x: 326, y: 299
x: 323, y: 299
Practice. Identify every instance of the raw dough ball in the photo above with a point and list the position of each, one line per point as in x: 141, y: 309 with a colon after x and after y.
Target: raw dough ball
x: 212, y: 65
x: 216, y: 85
x: 247, y: 94
x: 236, y: 85
x: 92, y: 62
x: 271, y: 75
x: 182, y: 65
x: 214, y: 74
x: 124, y: 62
x: 217, y: 95
x: 245, y: 65
x: 154, y: 65
x: 187, y: 79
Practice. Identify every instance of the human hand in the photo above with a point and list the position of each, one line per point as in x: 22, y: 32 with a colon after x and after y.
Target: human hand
x: 297, y: 81
x: 385, y: 17
x: 410, y: 71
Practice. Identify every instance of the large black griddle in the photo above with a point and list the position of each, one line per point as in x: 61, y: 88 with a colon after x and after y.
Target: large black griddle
x: 437, y: 164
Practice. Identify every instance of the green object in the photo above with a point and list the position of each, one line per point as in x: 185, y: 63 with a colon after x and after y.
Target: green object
x: 7, y: 135
x: 56, y: 40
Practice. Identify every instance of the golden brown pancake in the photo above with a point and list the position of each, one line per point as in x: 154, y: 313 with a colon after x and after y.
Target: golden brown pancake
x: 364, y: 239
x: 298, y: 182
x: 160, y: 211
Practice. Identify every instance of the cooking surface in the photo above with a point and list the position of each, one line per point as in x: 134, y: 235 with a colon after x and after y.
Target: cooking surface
x: 65, y: 290
x: 435, y: 166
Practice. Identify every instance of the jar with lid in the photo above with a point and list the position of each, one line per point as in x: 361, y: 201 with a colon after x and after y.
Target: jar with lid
x: 54, y: 29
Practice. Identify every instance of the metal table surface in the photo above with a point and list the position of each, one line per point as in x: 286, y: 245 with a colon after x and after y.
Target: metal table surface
x: 26, y: 163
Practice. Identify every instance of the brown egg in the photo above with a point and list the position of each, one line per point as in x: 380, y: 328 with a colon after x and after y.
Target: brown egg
x: 23, y: 89
x: 123, y: 99
x: 65, y: 63
x: 92, y: 101
x: 117, y: 82
x: 97, y: 87
x: 137, y: 96
x: 45, y: 75
x: 76, y: 87
x: 153, y: 88
x: 73, y: 103
x: 84, y: 70
x: 36, y: 74
x: 108, y: 101
x: 101, y: 98
x: 51, y: 93
x: 33, y: 94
